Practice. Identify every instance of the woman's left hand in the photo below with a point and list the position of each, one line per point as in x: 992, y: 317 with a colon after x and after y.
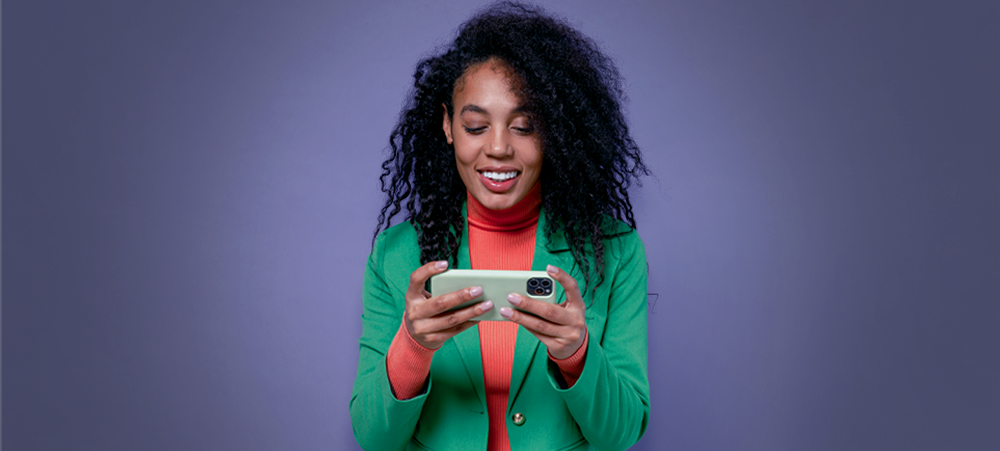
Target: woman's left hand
x: 562, y: 327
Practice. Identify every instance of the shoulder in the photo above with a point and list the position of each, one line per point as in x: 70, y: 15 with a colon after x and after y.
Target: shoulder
x: 397, y: 243
x: 615, y: 227
x: 616, y: 234
x: 622, y: 242
x: 396, y: 251
x: 402, y: 233
x: 617, y: 231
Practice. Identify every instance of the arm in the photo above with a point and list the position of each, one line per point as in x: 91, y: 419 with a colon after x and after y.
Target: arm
x: 408, y: 364
x: 380, y: 420
x: 571, y: 367
x: 610, y: 400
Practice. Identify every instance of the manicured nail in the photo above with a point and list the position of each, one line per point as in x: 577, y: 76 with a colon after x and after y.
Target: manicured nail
x: 486, y: 306
x: 441, y: 264
x: 475, y: 291
x: 506, y: 312
x: 513, y: 299
x: 552, y: 270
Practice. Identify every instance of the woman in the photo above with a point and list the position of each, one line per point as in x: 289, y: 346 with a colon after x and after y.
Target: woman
x: 513, y: 154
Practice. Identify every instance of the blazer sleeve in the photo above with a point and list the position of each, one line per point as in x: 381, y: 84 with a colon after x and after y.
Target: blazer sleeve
x: 380, y: 420
x: 610, y: 400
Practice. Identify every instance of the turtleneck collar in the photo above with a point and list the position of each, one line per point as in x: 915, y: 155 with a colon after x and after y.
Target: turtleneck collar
x: 521, y: 215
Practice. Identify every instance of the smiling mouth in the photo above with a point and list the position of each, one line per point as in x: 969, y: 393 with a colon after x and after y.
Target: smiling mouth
x: 499, y: 177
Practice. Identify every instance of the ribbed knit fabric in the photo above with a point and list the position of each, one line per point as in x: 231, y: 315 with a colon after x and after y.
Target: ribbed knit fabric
x: 407, y: 364
x: 502, y: 240
x: 505, y: 240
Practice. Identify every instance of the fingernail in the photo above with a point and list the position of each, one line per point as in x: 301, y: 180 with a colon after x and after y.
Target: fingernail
x: 441, y: 264
x: 475, y: 291
x: 486, y: 306
x: 513, y: 299
x: 506, y: 312
x: 552, y: 270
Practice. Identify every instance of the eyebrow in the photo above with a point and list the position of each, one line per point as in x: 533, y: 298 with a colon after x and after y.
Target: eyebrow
x: 473, y: 109
x: 478, y: 109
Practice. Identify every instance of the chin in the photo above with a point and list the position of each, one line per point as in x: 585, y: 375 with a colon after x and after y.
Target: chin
x: 499, y: 205
x: 498, y: 201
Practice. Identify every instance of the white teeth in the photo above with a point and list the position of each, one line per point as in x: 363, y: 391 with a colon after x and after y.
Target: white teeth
x: 500, y: 176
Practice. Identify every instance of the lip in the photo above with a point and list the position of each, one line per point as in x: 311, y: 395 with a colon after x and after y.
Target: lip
x: 498, y: 187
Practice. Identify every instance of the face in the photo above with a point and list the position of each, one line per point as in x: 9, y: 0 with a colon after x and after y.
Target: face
x: 497, y: 148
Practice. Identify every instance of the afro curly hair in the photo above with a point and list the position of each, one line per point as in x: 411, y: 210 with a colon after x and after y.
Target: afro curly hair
x: 574, y: 95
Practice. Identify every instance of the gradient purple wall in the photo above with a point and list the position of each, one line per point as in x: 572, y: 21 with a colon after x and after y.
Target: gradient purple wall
x: 189, y: 189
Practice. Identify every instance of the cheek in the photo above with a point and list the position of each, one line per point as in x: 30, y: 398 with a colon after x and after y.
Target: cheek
x: 464, y: 158
x: 535, y: 160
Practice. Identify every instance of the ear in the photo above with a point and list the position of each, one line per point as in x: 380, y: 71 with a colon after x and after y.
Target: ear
x: 446, y: 124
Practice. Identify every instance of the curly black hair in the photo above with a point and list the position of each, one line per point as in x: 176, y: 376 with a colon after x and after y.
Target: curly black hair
x: 573, y: 94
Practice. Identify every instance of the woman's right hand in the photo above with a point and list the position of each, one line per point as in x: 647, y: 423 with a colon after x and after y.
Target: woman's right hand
x: 427, y: 318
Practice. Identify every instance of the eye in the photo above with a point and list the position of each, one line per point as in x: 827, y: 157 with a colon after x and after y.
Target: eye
x: 523, y: 126
x: 474, y: 131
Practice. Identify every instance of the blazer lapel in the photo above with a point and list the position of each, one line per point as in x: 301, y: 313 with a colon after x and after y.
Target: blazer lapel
x: 468, y: 342
x: 472, y: 357
x: 547, y: 252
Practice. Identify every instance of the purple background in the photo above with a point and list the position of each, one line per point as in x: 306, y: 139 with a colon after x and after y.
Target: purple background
x: 189, y: 189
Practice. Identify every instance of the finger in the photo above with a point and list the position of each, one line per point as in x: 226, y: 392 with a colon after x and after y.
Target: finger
x: 544, y: 338
x: 533, y: 323
x: 557, y: 314
x: 559, y: 347
x: 569, y: 285
x: 442, y: 336
x: 452, y: 319
x: 441, y: 304
x: 562, y: 341
x: 418, y: 278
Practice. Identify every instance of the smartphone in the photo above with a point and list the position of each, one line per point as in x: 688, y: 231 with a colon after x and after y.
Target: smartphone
x: 496, y: 286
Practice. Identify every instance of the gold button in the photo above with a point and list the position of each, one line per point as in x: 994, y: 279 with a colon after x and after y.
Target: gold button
x: 518, y: 419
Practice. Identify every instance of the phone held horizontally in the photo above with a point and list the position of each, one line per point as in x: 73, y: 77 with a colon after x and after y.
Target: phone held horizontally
x: 496, y: 286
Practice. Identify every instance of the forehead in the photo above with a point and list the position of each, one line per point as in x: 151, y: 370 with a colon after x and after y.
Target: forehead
x: 488, y: 78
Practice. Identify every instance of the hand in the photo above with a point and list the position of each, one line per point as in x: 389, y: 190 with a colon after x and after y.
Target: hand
x: 427, y: 318
x: 562, y: 327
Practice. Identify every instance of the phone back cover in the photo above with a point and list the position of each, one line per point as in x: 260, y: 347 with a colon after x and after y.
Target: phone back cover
x: 496, y: 286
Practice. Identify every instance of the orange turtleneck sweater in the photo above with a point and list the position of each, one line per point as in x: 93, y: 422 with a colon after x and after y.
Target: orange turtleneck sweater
x: 502, y: 240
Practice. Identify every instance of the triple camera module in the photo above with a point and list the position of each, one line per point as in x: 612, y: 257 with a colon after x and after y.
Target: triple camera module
x: 540, y: 286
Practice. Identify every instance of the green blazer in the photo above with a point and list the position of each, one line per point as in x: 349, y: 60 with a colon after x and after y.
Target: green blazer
x: 607, y: 408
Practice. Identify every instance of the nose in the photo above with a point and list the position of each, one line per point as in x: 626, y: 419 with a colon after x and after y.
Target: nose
x: 499, y: 146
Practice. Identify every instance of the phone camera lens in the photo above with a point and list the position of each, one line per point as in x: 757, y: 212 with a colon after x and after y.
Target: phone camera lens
x: 546, y: 282
x: 539, y: 291
x: 532, y: 282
